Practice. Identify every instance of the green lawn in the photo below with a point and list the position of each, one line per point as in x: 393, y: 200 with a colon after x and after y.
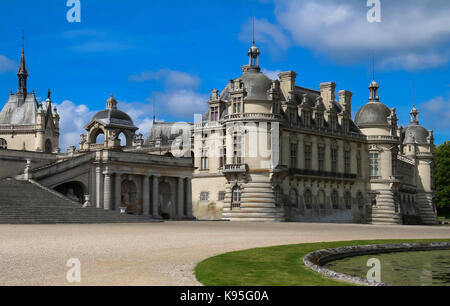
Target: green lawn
x: 273, y: 266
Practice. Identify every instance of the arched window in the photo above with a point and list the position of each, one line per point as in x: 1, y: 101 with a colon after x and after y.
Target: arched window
x: 3, y: 144
x: 308, y: 199
x: 236, y: 197
x: 335, y: 199
x: 293, y: 197
x: 348, y: 200
x: 48, y: 146
x: 322, y: 199
x: 360, y: 200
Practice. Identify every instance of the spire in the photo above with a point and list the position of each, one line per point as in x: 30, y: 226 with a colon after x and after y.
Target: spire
x: 373, y: 87
x: 154, y: 113
x: 414, y: 112
x: 22, y: 74
x: 253, y: 53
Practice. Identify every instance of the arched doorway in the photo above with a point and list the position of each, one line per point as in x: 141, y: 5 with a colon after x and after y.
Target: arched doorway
x: 129, y: 197
x: 75, y: 191
x: 48, y: 146
x: 165, y: 201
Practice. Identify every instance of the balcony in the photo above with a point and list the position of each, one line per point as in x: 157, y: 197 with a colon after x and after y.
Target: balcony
x: 235, y: 168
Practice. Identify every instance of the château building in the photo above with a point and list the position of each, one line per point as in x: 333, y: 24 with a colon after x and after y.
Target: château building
x: 270, y: 150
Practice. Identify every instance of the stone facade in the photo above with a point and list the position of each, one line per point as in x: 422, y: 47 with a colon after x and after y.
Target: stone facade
x: 269, y: 150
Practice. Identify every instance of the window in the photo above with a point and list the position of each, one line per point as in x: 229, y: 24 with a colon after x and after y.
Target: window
x: 214, y: 113
x: 223, y: 157
x: 348, y: 200
x: 373, y: 164
x: 3, y: 144
x: 204, y: 195
x: 293, y: 155
x: 236, y: 197
x: 358, y: 164
x: 322, y: 199
x: 319, y: 120
x: 237, y: 105
x: 347, y: 161
x: 221, y: 196
x: 237, y: 157
x: 307, y: 118
x: 335, y: 199
x: 293, y: 197
x: 308, y: 164
x: 321, y: 158
x: 308, y: 199
x: 333, y: 123
x: 360, y: 200
x: 276, y: 108
x: 204, y: 160
x: 334, y: 157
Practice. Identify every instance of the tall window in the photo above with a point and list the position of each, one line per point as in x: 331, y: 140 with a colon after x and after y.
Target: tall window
x: 347, y: 161
x: 334, y: 157
x: 308, y: 150
x: 223, y: 157
x: 293, y: 197
x: 319, y: 120
x: 360, y: 200
x: 237, y: 105
x: 276, y: 107
x: 308, y: 199
x: 335, y: 199
x: 221, y: 196
x: 307, y: 118
x: 293, y: 155
x: 236, y: 197
x: 292, y: 116
x: 214, y: 113
x: 321, y: 158
x: 358, y: 164
x: 204, y: 160
x: 322, y: 199
x: 348, y: 200
x: 3, y: 144
x: 237, y: 156
x: 333, y: 122
x: 373, y: 164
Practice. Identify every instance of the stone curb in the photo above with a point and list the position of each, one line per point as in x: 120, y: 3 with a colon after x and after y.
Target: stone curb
x: 317, y: 259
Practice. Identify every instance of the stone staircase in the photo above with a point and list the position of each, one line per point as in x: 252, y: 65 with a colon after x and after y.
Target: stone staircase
x: 257, y: 203
x: 426, y: 209
x: 384, y: 212
x: 24, y: 202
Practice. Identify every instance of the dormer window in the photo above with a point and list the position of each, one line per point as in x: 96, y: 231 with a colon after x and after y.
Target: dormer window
x: 215, y: 113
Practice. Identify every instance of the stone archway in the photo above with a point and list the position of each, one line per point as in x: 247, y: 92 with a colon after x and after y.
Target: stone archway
x: 74, y: 190
x: 129, y: 197
x: 165, y: 201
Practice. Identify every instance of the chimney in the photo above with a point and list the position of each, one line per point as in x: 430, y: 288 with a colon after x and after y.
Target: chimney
x: 327, y: 93
x: 287, y: 83
x: 345, y: 99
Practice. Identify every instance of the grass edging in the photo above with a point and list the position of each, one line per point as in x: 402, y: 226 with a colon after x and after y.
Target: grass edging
x: 276, y: 266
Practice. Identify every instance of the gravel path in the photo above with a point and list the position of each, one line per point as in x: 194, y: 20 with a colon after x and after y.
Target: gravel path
x: 158, y: 254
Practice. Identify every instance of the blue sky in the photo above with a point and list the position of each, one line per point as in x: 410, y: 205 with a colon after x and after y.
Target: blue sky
x: 173, y: 53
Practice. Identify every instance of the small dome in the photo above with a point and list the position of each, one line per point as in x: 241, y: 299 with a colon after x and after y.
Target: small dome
x: 372, y: 114
x: 256, y: 84
x: 114, y: 116
x: 415, y: 134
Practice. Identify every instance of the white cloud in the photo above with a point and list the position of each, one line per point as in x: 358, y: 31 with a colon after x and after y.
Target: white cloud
x: 339, y: 29
x: 436, y: 113
x: 272, y: 74
x: 270, y: 35
x: 179, y: 98
x: 6, y: 64
x: 170, y: 78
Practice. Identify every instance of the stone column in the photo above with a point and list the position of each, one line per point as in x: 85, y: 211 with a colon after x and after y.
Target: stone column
x: 189, y: 212
x: 118, y: 191
x: 155, y: 198
x: 98, y: 185
x: 146, y: 195
x: 108, y: 195
x: 180, y: 198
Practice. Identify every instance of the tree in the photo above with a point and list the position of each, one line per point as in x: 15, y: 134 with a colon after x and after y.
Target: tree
x: 442, y: 176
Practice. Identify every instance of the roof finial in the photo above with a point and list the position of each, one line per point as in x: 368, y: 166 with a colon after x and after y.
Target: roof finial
x: 23, y: 40
x: 253, y: 27
x: 154, y: 112
x: 49, y: 94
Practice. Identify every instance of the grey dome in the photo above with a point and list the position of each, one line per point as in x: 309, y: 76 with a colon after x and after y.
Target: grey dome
x: 372, y: 114
x: 256, y: 84
x: 415, y: 133
x: 113, y: 116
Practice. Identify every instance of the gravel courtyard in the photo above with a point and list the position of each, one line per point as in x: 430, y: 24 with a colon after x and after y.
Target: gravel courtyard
x: 158, y: 254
